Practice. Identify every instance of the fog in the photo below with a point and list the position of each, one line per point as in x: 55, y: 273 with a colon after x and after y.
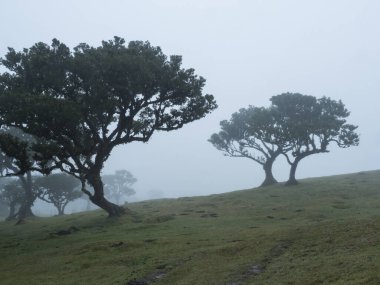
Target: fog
x: 248, y: 51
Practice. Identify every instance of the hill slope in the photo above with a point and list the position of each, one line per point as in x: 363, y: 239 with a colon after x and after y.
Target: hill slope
x: 323, y: 231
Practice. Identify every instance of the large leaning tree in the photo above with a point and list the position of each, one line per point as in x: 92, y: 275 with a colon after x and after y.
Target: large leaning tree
x: 58, y: 189
x: 252, y: 133
x: 80, y: 104
x: 311, y: 125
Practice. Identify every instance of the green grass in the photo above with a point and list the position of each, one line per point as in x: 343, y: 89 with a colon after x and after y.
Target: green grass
x: 323, y: 231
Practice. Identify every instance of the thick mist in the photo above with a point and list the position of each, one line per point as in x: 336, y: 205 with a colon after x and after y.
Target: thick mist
x: 248, y: 51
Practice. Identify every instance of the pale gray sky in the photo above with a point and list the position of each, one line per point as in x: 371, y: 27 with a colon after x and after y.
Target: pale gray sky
x: 248, y: 51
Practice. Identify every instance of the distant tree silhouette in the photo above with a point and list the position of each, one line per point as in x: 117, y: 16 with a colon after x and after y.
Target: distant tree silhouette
x: 252, y: 133
x: 58, y: 189
x: 311, y: 125
x: 295, y: 125
x: 12, y: 195
x: 119, y: 185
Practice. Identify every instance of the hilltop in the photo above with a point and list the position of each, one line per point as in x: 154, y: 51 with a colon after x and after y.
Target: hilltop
x: 323, y: 231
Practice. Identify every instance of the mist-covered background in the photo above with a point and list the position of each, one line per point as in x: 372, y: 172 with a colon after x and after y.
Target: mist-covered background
x: 248, y: 51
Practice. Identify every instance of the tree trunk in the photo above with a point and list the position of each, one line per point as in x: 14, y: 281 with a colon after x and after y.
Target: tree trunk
x: 61, y: 211
x: 64, y: 207
x: 25, y: 210
x: 98, y: 198
x: 112, y: 209
x: 269, y: 179
x: 292, y: 175
x: 12, y: 211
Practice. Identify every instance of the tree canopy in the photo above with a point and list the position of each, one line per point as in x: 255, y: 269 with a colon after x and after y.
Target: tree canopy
x: 311, y: 125
x: 253, y: 133
x: 18, y: 157
x: 58, y: 189
x: 79, y: 104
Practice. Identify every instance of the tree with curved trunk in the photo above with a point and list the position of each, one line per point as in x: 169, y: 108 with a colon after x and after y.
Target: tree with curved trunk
x: 252, y: 133
x: 58, y: 189
x: 79, y: 104
x: 311, y: 125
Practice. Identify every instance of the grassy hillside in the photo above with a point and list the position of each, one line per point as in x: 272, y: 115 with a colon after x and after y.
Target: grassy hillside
x: 323, y: 231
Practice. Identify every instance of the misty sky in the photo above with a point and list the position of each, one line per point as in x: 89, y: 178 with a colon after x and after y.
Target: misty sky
x: 248, y: 51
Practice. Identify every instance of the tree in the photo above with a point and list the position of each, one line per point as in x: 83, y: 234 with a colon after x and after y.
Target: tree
x: 58, y: 189
x: 4, y: 161
x: 4, y: 206
x: 18, y: 146
x: 12, y: 195
x: 119, y: 185
x: 81, y: 104
x: 311, y: 125
x: 252, y: 133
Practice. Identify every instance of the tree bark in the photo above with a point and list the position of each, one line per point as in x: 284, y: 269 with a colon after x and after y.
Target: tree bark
x: 269, y: 179
x: 292, y: 175
x: 112, y: 209
x: 61, y: 211
x: 25, y: 210
x: 293, y: 166
x: 98, y: 198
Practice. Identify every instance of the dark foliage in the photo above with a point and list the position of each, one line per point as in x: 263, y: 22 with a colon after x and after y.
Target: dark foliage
x: 12, y: 196
x: 17, y: 161
x: 253, y: 133
x: 58, y: 189
x: 311, y: 125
